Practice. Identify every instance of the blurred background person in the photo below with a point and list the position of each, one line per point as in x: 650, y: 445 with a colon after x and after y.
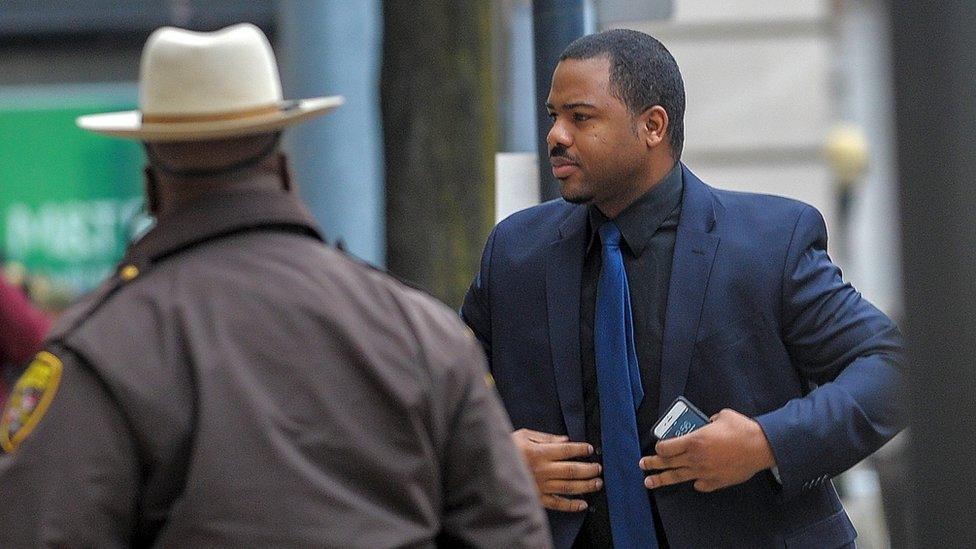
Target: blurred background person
x: 22, y: 329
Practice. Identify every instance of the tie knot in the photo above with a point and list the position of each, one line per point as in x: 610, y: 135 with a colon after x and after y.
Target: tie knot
x: 610, y: 235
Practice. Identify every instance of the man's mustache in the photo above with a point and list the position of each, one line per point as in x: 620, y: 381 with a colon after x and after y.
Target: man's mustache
x: 561, y: 151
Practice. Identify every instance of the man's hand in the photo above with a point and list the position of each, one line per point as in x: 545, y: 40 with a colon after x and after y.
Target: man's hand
x: 554, y: 477
x: 727, y: 451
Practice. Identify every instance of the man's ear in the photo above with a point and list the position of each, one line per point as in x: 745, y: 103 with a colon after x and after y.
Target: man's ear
x: 654, y: 123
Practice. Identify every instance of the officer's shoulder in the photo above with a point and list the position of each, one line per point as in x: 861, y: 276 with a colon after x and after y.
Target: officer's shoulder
x: 431, y: 322
x: 84, y: 308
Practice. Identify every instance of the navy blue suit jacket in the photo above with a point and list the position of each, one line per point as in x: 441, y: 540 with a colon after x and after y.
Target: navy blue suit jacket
x: 758, y: 320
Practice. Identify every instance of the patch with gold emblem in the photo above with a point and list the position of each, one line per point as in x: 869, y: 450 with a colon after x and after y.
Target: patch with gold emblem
x: 29, y: 400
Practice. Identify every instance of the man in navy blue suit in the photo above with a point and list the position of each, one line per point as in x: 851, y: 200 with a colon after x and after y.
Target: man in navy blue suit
x: 642, y: 284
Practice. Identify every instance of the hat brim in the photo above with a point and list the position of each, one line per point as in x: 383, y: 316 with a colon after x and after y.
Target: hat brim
x: 129, y: 124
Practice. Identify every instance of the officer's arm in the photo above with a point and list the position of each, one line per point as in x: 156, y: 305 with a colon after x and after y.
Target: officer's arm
x: 476, y: 309
x: 72, y: 479
x: 489, y: 497
x: 841, y: 342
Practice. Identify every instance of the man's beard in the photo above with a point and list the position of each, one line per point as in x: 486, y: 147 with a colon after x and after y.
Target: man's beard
x: 578, y: 198
x: 579, y: 195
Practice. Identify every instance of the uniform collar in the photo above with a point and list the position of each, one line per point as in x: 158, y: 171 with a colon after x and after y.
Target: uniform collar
x: 221, y: 213
x: 642, y: 218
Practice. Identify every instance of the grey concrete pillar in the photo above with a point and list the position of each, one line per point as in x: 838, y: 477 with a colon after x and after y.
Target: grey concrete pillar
x: 555, y: 23
x: 935, y: 100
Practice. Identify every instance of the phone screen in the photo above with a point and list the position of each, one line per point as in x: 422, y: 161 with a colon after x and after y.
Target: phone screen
x: 680, y: 419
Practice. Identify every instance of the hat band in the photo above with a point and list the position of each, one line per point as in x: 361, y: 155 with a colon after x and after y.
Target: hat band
x: 148, y: 118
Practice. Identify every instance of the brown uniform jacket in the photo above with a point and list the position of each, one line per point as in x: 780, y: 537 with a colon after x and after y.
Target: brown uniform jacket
x: 237, y: 383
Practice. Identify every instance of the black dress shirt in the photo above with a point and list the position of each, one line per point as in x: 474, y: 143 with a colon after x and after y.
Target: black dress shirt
x: 648, y: 227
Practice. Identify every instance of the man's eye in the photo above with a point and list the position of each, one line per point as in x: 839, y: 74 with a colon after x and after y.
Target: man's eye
x: 579, y: 117
x: 552, y: 116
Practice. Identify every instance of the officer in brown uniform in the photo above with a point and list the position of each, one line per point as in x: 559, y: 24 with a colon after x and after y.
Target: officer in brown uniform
x: 236, y: 382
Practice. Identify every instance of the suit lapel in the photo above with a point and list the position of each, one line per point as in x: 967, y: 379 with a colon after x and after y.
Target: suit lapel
x: 694, y: 253
x: 564, y: 268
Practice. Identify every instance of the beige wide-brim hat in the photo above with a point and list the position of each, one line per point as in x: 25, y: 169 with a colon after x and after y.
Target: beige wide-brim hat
x: 198, y: 86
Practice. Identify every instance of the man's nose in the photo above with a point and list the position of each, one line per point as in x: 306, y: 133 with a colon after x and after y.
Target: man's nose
x: 558, y: 135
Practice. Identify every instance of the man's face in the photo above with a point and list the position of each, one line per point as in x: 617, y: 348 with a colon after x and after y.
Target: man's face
x: 595, y: 144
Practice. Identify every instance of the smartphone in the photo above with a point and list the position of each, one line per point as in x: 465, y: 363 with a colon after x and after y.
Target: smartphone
x: 681, y: 418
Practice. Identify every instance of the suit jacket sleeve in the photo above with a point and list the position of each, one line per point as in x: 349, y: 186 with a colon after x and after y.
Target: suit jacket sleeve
x: 476, y: 309
x: 74, y: 480
x: 846, y: 347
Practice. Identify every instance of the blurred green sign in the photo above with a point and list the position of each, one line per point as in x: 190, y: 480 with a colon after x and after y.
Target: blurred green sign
x: 68, y: 198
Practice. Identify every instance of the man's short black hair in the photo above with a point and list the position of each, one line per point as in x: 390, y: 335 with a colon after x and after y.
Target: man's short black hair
x: 642, y: 74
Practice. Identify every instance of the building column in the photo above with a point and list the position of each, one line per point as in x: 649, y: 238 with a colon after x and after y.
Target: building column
x: 334, y: 48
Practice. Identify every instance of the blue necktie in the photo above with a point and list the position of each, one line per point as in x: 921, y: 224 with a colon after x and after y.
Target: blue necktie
x: 619, y: 385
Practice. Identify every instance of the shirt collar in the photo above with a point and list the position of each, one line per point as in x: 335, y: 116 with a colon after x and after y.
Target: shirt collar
x: 228, y: 211
x: 642, y: 218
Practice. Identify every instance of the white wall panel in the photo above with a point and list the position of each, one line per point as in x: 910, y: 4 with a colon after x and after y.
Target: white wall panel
x: 755, y: 93
x: 700, y: 11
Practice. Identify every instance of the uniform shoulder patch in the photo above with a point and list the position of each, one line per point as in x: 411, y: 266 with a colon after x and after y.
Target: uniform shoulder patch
x: 29, y: 400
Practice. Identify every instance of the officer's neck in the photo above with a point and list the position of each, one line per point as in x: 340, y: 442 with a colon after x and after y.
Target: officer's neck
x: 170, y: 192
